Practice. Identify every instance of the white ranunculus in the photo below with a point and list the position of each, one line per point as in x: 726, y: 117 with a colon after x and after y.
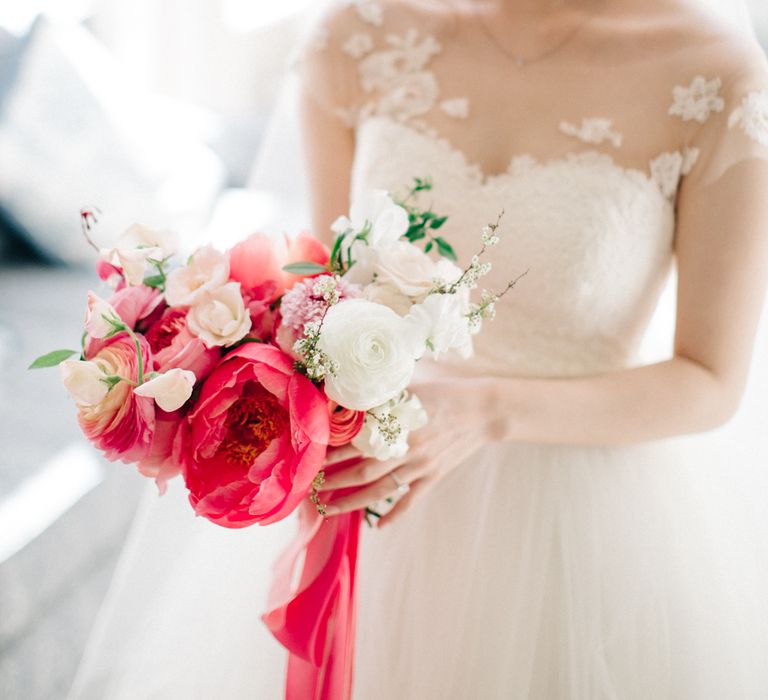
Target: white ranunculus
x: 101, y: 318
x: 84, y: 380
x: 207, y: 270
x: 220, y: 318
x: 388, y: 222
x: 410, y: 415
x: 170, y: 390
x: 374, y: 352
x: 440, y: 323
x: 136, y: 246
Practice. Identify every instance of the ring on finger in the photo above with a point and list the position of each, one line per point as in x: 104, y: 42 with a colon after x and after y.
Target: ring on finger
x: 402, y: 486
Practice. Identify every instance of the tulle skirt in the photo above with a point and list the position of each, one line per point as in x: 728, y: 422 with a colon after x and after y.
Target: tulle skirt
x: 531, y: 571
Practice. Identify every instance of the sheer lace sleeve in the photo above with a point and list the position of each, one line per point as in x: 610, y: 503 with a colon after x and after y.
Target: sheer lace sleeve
x: 730, y: 115
x: 327, y: 64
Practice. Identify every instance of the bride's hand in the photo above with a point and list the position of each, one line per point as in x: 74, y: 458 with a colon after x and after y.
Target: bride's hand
x: 458, y: 425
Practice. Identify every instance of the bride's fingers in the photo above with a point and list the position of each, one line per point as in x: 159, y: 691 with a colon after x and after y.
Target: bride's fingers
x: 417, y: 490
x: 337, y: 455
x: 384, y: 487
x: 366, y: 471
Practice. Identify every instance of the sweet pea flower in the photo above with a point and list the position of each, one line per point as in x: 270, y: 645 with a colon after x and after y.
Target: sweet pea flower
x: 170, y: 390
x: 101, y: 319
x: 375, y: 208
x: 440, y: 323
x: 207, y: 270
x: 220, y: 318
x: 84, y: 380
x: 135, y: 247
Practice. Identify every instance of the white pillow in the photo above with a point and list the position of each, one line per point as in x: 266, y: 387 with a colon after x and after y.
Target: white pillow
x: 74, y: 132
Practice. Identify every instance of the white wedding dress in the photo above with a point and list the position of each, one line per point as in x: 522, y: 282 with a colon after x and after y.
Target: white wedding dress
x: 543, y: 572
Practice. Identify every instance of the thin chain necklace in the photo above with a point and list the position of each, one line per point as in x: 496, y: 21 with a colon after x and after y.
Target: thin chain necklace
x: 518, y: 59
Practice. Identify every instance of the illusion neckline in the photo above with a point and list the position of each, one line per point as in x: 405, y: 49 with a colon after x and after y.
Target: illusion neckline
x: 519, y: 163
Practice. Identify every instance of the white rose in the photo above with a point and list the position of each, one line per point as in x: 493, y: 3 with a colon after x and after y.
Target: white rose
x: 220, y: 317
x: 84, y: 380
x: 208, y: 269
x: 101, y: 319
x: 440, y: 323
x: 388, y: 221
x: 170, y: 390
x: 136, y: 246
x: 374, y: 352
x: 410, y: 415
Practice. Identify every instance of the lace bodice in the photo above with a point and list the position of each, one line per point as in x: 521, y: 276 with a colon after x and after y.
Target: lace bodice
x: 590, y: 167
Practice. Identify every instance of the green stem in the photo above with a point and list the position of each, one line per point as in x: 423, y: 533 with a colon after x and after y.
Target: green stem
x: 138, y: 354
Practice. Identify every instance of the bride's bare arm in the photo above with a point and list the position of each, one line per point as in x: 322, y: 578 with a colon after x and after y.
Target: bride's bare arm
x: 722, y: 253
x: 329, y: 150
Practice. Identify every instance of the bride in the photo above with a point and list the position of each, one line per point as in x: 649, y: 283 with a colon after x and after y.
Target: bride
x: 564, y: 533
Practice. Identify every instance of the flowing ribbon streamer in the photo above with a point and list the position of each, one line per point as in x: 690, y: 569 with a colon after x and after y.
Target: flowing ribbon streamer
x: 315, y: 617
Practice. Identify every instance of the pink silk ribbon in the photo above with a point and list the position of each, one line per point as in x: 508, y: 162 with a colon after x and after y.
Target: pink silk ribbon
x: 315, y: 618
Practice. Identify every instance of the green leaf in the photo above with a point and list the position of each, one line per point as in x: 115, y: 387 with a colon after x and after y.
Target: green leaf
x: 304, y: 268
x: 155, y: 281
x: 416, y: 235
x: 52, y: 359
x: 445, y: 249
x: 428, y: 247
x: 335, y: 251
x: 438, y: 221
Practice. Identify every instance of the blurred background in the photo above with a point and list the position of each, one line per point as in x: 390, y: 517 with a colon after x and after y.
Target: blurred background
x: 154, y: 108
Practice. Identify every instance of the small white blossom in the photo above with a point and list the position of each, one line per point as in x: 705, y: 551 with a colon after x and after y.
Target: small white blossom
x: 101, y: 319
x: 385, y: 432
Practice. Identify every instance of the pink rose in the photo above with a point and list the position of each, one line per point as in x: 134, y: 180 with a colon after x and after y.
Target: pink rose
x: 255, y: 441
x: 174, y: 346
x: 346, y: 423
x: 121, y: 424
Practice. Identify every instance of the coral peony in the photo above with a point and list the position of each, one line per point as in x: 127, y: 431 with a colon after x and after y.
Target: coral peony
x: 256, y: 439
x: 121, y: 424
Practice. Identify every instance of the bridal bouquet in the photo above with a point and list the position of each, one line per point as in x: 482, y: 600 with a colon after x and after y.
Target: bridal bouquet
x: 238, y: 369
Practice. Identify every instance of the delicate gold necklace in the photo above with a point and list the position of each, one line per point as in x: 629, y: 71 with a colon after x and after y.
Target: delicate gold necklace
x: 518, y: 59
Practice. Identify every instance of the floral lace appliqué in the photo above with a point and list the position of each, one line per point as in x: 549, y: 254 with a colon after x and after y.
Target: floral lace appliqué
x: 751, y: 116
x: 398, y: 80
x: 698, y: 100
x: 358, y: 45
x: 595, y: 130
x: 458, y: 107
x: 370, y: 11
x: 668, y: 167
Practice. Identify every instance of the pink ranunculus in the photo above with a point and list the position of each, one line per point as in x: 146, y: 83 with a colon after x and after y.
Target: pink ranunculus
x: 159, y: 463
x: 174, y: 346
x: 122, y: 424
x: 256, y: 439
x: 135, y: 306
x: 259, y: 302
x: 345, y: 424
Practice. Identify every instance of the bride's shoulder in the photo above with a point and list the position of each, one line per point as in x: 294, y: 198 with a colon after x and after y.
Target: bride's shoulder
x: 342, y: 18
x: 709, y: 46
